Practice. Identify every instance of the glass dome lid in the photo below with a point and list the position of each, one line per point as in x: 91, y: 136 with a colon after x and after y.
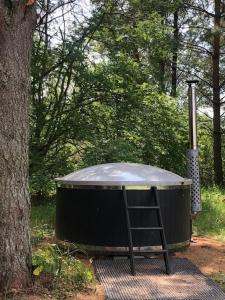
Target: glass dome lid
x: 122, y: 174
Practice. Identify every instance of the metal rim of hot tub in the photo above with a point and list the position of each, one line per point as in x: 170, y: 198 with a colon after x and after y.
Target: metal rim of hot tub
x: 120, y: 251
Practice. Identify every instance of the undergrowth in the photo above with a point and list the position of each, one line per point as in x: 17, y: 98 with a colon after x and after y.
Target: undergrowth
x: 211, y: 221
x: 57, y: 271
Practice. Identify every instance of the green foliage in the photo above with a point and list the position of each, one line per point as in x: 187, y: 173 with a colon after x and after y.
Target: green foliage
x: 101, y: 94
x: 40, y: 233
x: 55, y: 119
x: 211, y: 221
x: 47, y: 259
x: 67, y: 273
x: 107, y: 111
x: 130, y: 120
x: 205, y: 144
x: 55, y: 268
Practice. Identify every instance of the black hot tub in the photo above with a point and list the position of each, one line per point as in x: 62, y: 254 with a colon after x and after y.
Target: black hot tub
x: 90, y: 209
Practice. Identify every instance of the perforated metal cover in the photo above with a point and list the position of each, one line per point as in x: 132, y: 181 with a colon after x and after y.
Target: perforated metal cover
x: 193, y: 173
x: 119, y: 174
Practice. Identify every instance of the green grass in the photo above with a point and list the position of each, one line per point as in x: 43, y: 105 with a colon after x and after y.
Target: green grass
x: 43, y: 215
x: 211, y: 221
x: 42, y: 223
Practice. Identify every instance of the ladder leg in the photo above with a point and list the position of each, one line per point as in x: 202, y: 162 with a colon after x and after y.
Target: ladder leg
x: 162, y: 232
x: 130, y: 241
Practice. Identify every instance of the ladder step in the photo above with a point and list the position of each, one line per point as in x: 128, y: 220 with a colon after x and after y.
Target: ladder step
x: 143, y: 207
x: 146, y: 228
x: 150, y: 251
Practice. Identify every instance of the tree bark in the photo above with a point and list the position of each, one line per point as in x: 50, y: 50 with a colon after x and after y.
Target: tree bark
x: 217, y: 144
x: 162, y: 66
x: 16, y: 26
x: 175, y: 50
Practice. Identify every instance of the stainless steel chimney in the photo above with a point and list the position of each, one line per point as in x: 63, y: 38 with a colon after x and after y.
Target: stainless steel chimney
x: 192, y: 153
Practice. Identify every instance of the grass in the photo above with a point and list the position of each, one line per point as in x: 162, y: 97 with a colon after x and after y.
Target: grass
x: 211, y: 221
x: 42, y: 223
x: 43, y: 215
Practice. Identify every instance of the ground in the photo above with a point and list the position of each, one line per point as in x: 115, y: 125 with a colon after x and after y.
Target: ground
x: 96, y: 294
x: 206, y: 253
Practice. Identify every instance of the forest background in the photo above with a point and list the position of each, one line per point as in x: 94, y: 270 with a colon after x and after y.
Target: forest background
x: 109, y: 84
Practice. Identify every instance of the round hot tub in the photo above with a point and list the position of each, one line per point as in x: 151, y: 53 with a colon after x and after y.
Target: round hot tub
x: 90, y: 210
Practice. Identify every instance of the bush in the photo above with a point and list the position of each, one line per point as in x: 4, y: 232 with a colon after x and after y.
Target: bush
x: 65, y: 272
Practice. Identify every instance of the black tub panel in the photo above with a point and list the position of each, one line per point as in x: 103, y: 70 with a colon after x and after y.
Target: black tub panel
x: 96, y: 217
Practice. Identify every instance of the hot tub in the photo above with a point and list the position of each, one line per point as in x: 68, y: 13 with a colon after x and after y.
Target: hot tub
x: 90, y: 209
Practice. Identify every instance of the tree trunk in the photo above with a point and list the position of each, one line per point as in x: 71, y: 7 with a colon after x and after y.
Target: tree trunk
x: 217, y: 145
x: 175, y: 50
x: 162, y: 76
x: 16, y: 26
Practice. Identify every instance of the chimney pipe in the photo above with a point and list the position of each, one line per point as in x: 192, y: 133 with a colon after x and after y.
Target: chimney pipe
x: 192, y: 153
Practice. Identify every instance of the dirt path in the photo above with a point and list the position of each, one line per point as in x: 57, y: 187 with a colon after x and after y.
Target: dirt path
x: 207, y: 254
x: 97, y: 293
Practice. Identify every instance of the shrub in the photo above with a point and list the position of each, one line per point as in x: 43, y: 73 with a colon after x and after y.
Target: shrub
x: 65, y: 272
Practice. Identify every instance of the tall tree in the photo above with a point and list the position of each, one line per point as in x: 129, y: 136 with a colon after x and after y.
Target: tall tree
x: 175, y: 54
x: 217, y: 144
x: 17, y: 18
x: 207, y: 46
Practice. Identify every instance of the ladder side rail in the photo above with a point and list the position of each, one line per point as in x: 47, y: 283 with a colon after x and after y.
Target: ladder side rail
x: 129, y: 233
x: 162, y: 232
